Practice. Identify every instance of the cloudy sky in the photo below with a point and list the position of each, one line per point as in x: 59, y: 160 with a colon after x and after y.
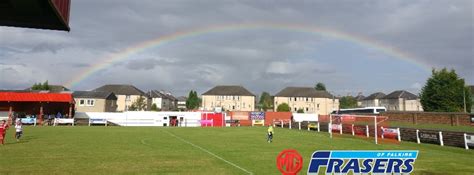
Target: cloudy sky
x: 430, y: 34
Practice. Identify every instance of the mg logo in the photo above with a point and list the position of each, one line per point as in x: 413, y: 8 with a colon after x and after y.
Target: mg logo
x: 289, y: 162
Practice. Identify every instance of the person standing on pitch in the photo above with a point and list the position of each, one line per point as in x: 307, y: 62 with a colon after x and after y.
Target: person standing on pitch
x: 3, y: 131
x: 19, y: 130
x: 269, y: 133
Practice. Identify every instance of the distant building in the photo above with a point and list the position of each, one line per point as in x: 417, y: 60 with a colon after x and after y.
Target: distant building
x: 126, y: 94
x: 372, y: 100
x: 181, y: 103
x: 231, y: 98
x: 163, y: 100
x: 308, y: 99
x: 95, y: 101
x: 359, y: 99
x: 401, y: 101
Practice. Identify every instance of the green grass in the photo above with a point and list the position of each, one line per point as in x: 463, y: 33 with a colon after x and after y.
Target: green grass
x: 153, y: 150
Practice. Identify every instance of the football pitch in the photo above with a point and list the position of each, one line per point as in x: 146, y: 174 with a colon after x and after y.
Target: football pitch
x: 153, y: 150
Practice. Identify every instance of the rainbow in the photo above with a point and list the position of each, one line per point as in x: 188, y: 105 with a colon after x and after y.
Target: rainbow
x: 110, y: 59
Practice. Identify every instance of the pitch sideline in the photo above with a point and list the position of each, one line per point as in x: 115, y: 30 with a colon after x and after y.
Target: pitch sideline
x: 207, y: 151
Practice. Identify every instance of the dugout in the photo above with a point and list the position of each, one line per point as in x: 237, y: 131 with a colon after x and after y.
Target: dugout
x: 37, y: 104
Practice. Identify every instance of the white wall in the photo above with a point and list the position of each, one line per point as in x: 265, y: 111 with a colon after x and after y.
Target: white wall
x: 144, y: 118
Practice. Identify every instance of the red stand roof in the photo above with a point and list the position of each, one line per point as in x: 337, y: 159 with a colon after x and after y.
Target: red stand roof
x: 35, y: 97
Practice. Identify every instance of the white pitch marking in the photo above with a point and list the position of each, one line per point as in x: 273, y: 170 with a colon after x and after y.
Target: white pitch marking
x: 209, y: 152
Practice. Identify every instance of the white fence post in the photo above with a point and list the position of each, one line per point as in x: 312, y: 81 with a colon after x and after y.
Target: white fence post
x: 465, y: 141
x: 290, y: 124
x: 106, y: 122
x: 281, y: 122
x: 367, y: 130
x: 330, y: 125
x: 399, y: 135
x: 352, y: 128
x: 441, y: 138
x: 340, y: 128
x: 274, y: 123
x: 418, y: 136
x: 381, y: 135
x: 318, y: 127
x: 299, y: 125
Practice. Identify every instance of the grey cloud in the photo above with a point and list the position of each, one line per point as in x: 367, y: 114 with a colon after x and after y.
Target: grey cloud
x: 437, y: 33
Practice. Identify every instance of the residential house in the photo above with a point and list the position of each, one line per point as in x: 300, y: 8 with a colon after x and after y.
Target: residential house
x: 181, y: 103
x: 229, y: 98
x: 165, y: 101
x: 308, y: 99
x: 95, y: 101
x: 126, y: 94
x: 401, y: 101
x: 359, y: 99
x: 372, y: 100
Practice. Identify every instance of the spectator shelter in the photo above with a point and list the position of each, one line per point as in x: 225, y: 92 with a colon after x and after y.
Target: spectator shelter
x: 40, y: 14
x: 37, y: 104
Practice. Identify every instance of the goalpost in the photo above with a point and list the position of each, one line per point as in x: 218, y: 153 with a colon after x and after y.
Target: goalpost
x: 358, y: 125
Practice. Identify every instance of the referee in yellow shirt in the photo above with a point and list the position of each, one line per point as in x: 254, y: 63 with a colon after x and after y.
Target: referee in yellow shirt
x: 270, y: 133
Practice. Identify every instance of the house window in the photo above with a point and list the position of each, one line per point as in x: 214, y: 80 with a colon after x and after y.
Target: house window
x: 296, y: 109
x: 127, y: 98
x: 233, y: 107
x: 295, y: 98
x: 306, y: 98
x: 307, y: 109
x: 81, y: 102
x: 90, y: 102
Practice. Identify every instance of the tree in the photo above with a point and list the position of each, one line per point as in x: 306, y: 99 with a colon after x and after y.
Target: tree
x: 347, y: 102
x: 40, y: 86
x: 154, y: 107
x: 283, y: 108
x: 320, y: 86
x: 300, y: 110
x: 139, y: 104
x: 193, y: 100
x: 45, y: 85
x: 445, y: 91
x: 266, y: 101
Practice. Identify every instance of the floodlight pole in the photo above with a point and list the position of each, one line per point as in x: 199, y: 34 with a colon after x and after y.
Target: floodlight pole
x: 464, y: 98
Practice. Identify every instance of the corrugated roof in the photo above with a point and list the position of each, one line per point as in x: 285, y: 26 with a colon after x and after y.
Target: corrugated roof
x: 401, y: 94
x: 120, y: 89
x: 94, y: 94
x: 229, y: 90
x: 377, y: 95
x: 35, y: 97
x: 303, y: 92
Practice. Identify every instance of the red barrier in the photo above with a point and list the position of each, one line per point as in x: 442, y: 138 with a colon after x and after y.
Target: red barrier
x: 217, y: 118
x: 270, y: 116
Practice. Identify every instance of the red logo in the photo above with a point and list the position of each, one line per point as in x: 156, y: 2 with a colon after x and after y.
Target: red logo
x: 289, y: 162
